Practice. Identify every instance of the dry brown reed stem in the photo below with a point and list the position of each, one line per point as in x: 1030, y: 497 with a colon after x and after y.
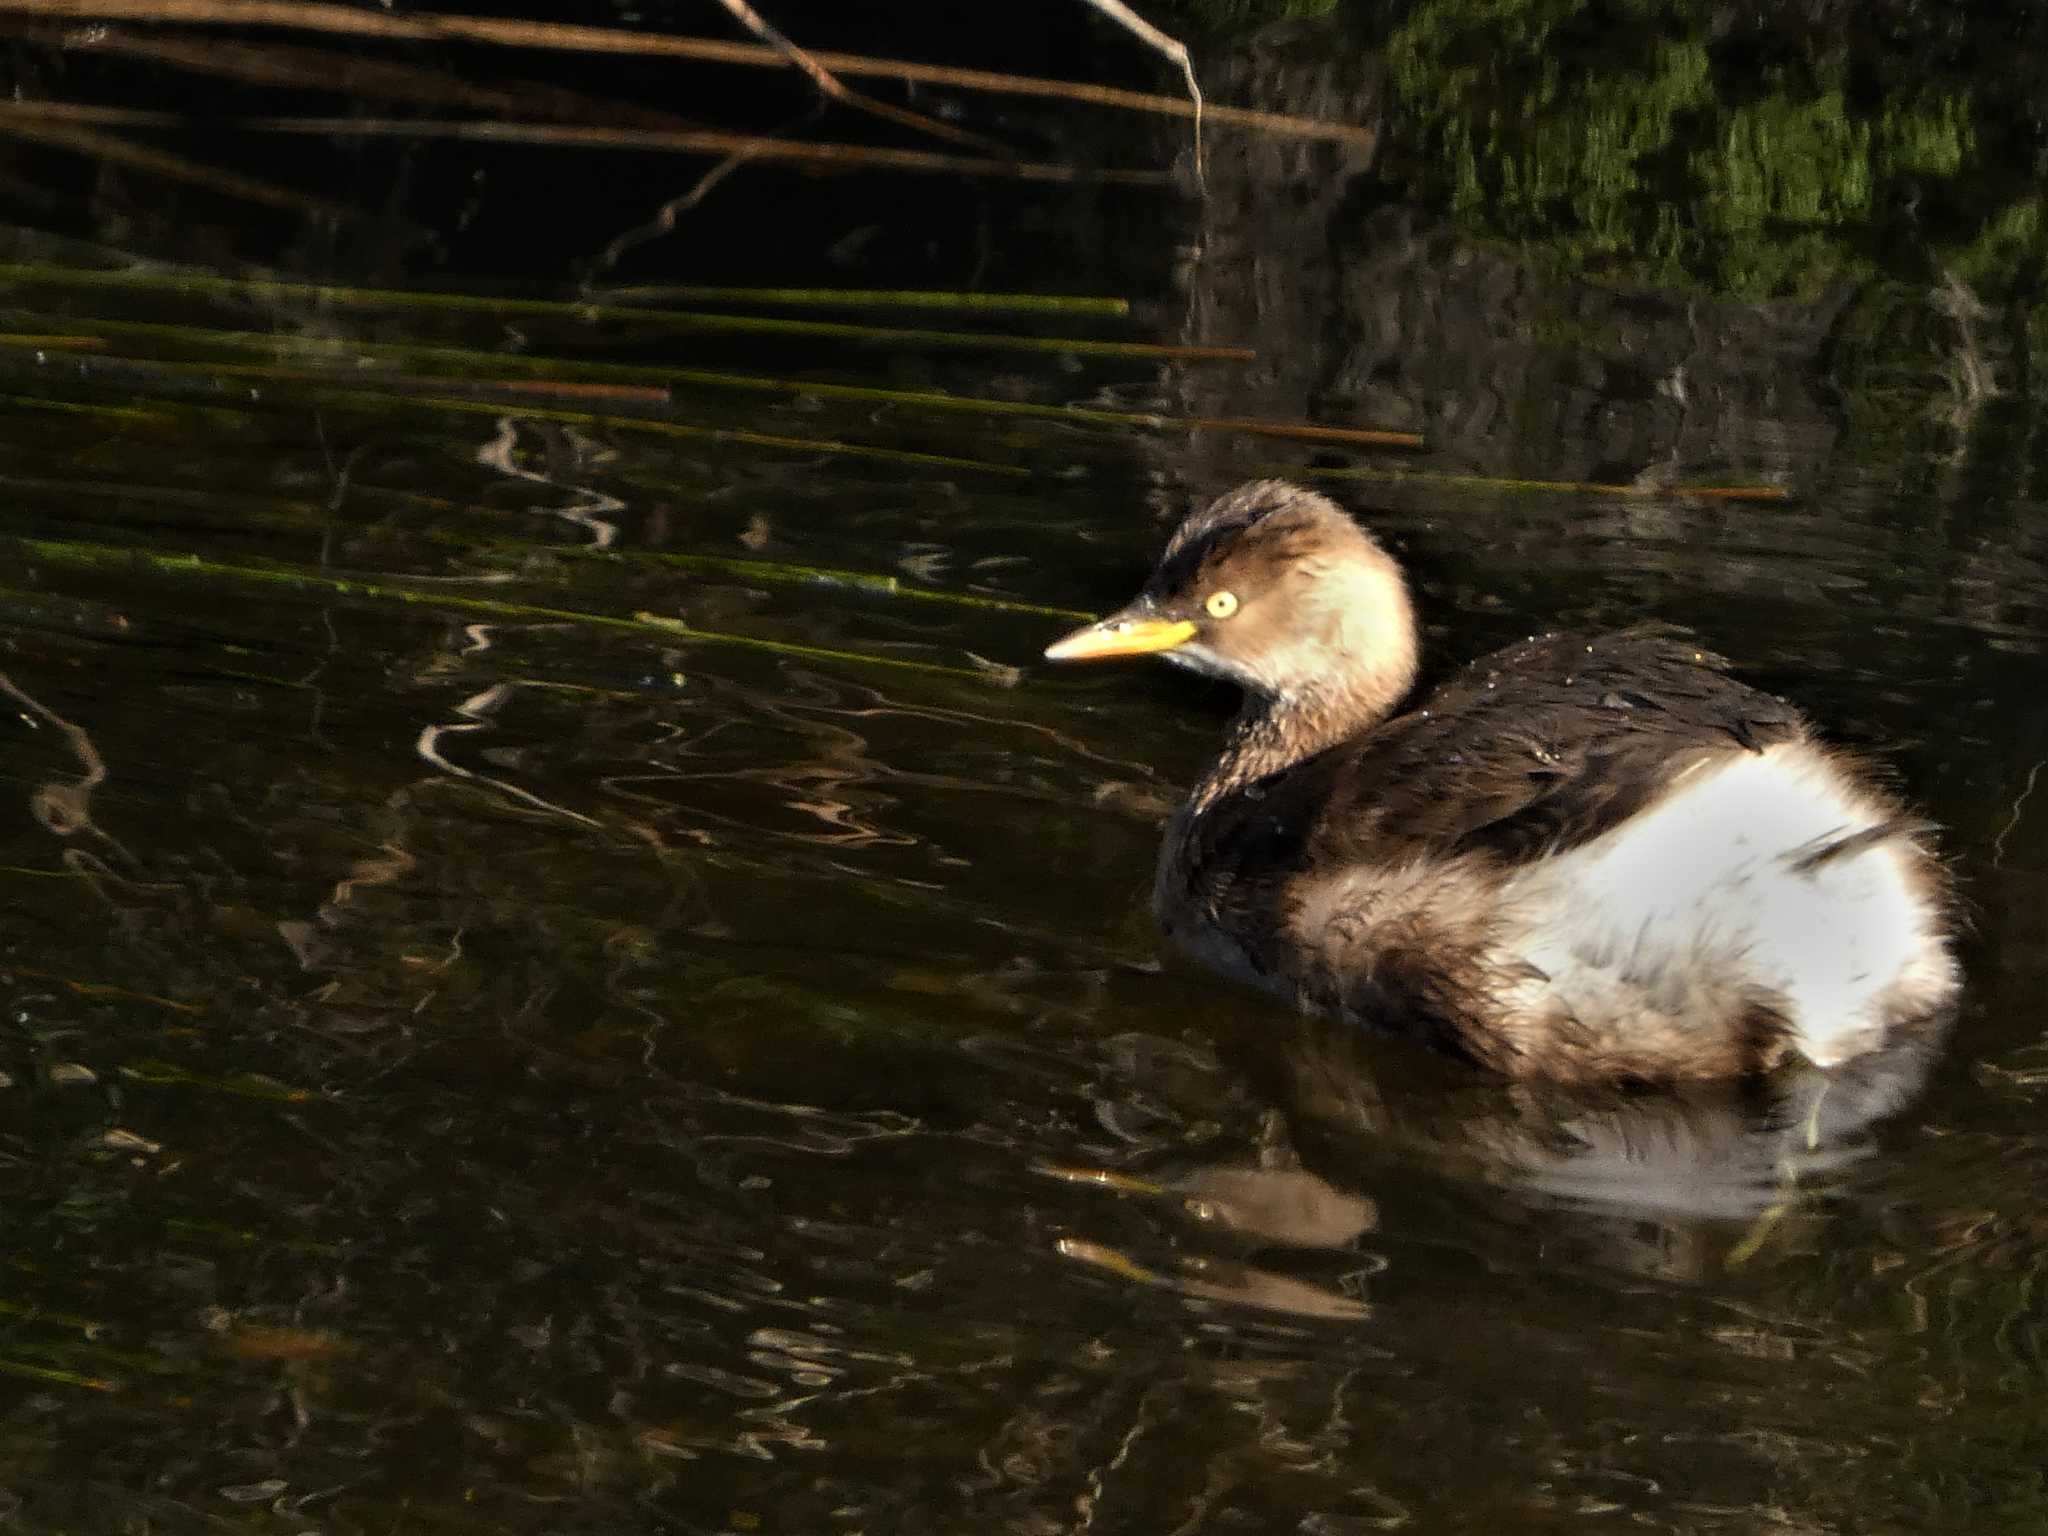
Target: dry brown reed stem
x: 334, y: 72
x: 1304, y: 432
x: 654, y: 395
x: 316, y: 16
x: 24, y: 124
x: 53, y: 343
x: 753, y: 146
x: 1732, y: 492
x: 1098, y: 305
x: 829, y: 85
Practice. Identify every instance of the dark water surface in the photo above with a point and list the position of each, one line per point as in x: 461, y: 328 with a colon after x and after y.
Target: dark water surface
x: 479, y: 1060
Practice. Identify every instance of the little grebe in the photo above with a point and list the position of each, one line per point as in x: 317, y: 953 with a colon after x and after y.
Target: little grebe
x: 1591, y: 857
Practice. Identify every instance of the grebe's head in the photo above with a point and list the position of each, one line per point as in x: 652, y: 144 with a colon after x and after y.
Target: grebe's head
x: 1274, y: 588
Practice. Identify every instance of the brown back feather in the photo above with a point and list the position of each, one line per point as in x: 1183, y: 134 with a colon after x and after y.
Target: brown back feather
x: 1539, y: 748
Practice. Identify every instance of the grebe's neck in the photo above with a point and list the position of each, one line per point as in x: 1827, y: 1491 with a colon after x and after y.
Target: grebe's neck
x: 1332, y: 662
x: 1271, y: 735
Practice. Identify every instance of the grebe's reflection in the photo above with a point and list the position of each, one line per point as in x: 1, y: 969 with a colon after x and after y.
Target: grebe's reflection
x: 1676, y: 1183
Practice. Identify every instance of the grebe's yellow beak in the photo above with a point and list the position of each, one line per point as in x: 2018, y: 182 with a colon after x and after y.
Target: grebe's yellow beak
x: 1123, y: 633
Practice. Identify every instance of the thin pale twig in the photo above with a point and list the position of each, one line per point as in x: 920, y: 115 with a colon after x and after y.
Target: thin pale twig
x: 1998, y: 843
x: 664, y: 221
x: 828, y: 84
x: 1170, y: 48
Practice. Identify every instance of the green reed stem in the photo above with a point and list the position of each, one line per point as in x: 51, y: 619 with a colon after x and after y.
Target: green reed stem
x: 257, y: 511
x: 103, y: 557
x: 210, y: 284
x: 1771, y: 493
x: 572, y: 369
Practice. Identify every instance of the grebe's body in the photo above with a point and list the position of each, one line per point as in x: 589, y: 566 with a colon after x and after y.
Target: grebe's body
x: 1584, y: 857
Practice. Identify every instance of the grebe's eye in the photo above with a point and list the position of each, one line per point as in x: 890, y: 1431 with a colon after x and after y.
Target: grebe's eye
x: 1221, y: 605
